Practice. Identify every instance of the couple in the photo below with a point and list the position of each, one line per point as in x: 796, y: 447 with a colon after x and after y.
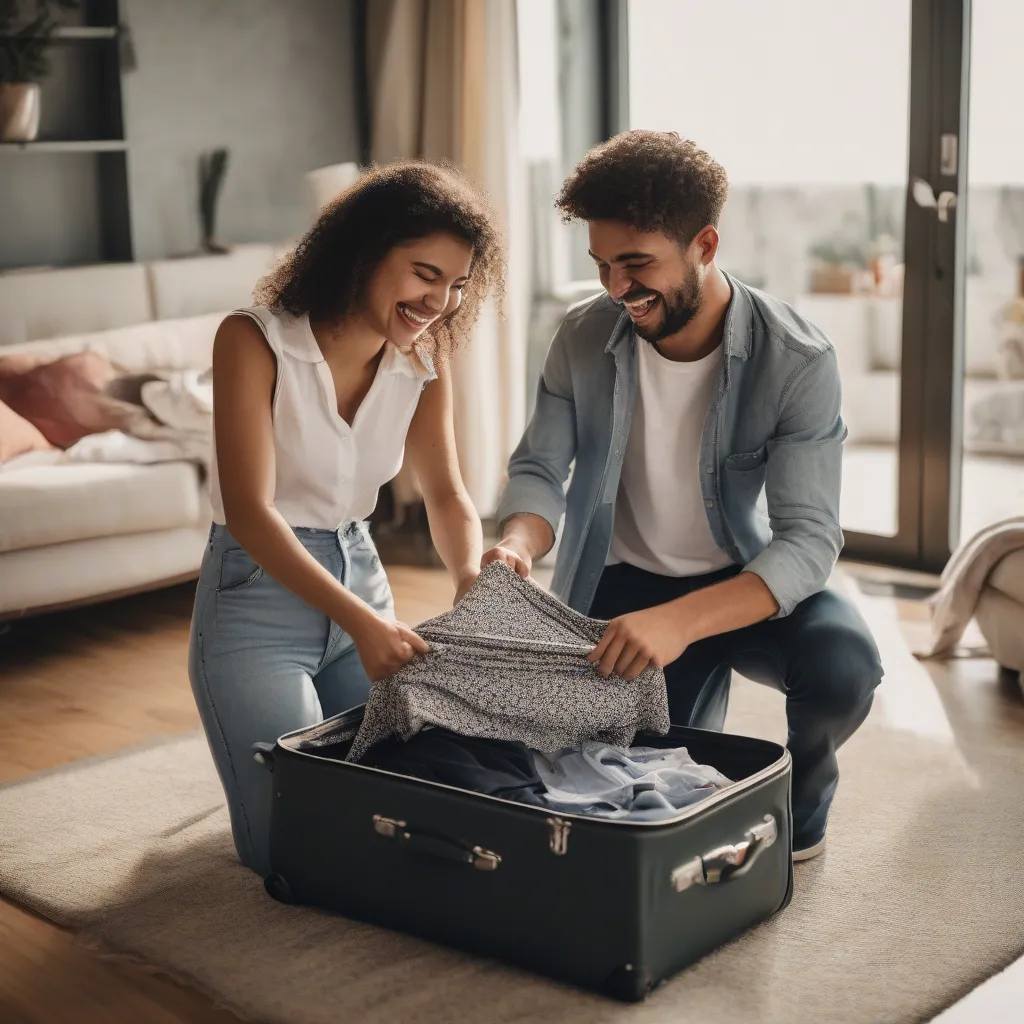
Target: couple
x: 701, y: 417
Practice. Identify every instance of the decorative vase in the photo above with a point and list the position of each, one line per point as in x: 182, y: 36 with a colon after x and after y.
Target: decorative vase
x: 19, y: 111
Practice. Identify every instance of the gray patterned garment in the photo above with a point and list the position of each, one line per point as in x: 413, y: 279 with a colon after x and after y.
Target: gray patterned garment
x: 509, y: 663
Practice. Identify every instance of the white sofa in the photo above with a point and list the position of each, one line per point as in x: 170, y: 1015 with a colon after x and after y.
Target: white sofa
x: 75, y: 533
x: 867, y: 332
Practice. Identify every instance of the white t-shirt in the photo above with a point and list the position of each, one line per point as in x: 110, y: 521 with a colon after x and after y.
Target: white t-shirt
x: 661, y: 524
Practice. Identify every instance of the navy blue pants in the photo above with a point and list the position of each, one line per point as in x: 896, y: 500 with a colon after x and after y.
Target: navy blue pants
x: 821, y: 656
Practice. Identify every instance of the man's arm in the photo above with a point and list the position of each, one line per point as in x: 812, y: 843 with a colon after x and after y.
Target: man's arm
x: 802, y: 488
x: 533, y: 503
x: 805, y: 470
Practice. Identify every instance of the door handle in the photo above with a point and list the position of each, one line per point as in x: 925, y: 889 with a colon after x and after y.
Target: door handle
x: 924, y: 196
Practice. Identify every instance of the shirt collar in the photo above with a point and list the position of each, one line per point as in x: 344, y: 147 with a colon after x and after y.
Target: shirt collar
x: 302, y: 345
x: 739, y: 323
x: 417, y: 364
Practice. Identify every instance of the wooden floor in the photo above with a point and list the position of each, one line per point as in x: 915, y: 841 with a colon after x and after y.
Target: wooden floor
x: 97, y: 680
x: 88, y: 682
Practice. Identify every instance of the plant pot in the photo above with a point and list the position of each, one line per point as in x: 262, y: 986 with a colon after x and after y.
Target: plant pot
x: 19, y: 111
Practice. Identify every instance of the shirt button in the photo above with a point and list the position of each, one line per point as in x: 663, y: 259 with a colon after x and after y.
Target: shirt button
x: 709, y: 504
x: 344, y: 479
x: 709, y: 469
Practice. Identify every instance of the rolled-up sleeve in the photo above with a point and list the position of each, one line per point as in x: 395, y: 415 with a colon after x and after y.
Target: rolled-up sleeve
x: 540, y: 464
x: 802, y: 486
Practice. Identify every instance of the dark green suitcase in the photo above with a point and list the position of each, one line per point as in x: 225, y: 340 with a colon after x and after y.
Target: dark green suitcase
x: 612, y: 906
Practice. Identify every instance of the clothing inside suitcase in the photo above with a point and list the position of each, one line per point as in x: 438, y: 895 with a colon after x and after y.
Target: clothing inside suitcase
x: 613, y: 906
x: 333, y: 738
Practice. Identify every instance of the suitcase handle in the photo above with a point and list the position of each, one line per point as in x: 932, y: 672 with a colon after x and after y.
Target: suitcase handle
x: 725, y: 863
x: 435, y: 845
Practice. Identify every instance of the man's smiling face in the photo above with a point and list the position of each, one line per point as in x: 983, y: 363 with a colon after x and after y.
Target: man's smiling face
x: 659, y: 282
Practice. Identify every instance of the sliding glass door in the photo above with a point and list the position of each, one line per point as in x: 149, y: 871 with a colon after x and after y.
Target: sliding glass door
x: 990, y: 432
x: 840, y: 126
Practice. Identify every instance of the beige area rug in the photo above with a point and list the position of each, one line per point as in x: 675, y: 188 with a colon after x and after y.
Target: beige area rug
x: 918, y: 898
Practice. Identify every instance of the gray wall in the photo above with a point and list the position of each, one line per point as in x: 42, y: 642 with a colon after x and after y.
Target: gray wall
x: 271, y: 80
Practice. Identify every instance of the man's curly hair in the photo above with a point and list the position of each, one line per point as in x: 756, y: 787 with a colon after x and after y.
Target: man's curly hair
x: 653, y: 181
x: 328, y: 271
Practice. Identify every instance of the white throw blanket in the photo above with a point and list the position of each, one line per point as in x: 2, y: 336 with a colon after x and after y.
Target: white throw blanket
x: 954, y: 603
x: 179, y: 427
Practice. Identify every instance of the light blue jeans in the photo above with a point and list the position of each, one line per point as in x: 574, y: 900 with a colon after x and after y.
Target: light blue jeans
x: 262, y: 663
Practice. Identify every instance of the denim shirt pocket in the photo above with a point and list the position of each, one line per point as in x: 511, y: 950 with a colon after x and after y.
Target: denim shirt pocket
x: 237, y: 570
x: 744, y: 482
x: 746, y: 462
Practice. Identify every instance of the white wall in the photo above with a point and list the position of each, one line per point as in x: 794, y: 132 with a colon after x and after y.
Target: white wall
x: 815, y: 92
x: 272, y: 81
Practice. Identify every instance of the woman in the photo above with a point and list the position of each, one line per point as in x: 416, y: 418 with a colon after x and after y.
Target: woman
x: 318, y: 390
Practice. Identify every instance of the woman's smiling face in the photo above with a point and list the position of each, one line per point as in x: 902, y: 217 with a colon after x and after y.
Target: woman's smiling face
x: 416, y: 284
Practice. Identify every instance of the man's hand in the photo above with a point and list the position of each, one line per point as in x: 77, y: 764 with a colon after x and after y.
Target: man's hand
x: 631, y: 642
x: 510, y: 553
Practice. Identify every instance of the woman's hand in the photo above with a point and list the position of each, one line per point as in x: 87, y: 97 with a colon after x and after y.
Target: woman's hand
x: 466, y: 581
x: 385, y: 645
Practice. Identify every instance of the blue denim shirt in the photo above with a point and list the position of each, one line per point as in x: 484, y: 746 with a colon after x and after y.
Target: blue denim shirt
x: 770, y: 457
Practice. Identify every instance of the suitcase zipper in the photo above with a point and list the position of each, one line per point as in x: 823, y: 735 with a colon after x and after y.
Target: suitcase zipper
x: 727, y: 793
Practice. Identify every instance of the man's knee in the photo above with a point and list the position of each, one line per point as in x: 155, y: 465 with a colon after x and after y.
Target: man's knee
x: 837, y: 669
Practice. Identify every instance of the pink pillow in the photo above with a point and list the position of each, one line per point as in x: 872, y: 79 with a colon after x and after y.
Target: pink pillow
x: 14, y: 363
x: 18, y: 436
x: 66, y: 399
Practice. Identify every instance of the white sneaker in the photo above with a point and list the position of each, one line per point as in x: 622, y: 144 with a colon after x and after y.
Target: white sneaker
x: 809, y: 852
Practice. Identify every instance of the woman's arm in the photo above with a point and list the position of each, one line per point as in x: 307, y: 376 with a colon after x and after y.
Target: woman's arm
x: 454, y: 523
x: 244, y: 374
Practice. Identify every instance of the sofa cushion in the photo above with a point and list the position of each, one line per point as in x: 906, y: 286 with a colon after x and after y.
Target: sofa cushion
x: 51, y: 303
x: 206, y: 284
x: 1008, y: 577
x: 97, y: 568
x: 1001, y: 621
x: 158, y: 345
x: 18, y: 436
x: 52, y: 504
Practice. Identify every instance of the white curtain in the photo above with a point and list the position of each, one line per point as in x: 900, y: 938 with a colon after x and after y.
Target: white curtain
x: 443, y: 85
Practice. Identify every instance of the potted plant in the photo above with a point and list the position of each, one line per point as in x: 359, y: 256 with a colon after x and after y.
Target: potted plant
x: 26, y: 34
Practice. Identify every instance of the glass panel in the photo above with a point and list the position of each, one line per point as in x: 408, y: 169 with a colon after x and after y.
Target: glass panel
x: 805, y: 104
x: 993, y: 414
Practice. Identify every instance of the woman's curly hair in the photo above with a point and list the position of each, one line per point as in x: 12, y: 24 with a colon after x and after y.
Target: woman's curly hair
x: 326, y: 274
x: 653, y: 181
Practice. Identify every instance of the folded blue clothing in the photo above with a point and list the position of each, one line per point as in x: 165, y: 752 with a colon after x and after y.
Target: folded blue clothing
x: 598, y: 779
x: 636, y: 783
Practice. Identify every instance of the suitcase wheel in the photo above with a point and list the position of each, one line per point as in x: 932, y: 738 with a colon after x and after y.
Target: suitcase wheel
x: 629, y: 984
x: 278, y: 887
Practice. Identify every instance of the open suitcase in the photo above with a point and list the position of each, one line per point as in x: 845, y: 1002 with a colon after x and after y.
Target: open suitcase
x: 613, y: 906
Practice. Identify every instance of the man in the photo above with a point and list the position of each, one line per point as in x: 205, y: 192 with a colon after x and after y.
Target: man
x: 702, y: 514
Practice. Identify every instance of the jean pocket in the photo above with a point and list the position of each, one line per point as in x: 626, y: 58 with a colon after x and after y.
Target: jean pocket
x: 237, y: 570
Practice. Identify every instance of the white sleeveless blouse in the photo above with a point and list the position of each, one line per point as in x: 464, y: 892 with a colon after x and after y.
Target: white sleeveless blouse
x: 327, y: 471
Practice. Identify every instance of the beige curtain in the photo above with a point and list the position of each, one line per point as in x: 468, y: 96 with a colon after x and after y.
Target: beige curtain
x: 443, y: 86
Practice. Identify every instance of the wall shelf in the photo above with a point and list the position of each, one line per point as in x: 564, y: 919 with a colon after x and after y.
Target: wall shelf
x: 66, y: 146
x: 72, y: 202
x: 84, y: 33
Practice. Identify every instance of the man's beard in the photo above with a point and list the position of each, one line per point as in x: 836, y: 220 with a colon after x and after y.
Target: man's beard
x: 678, y: 308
